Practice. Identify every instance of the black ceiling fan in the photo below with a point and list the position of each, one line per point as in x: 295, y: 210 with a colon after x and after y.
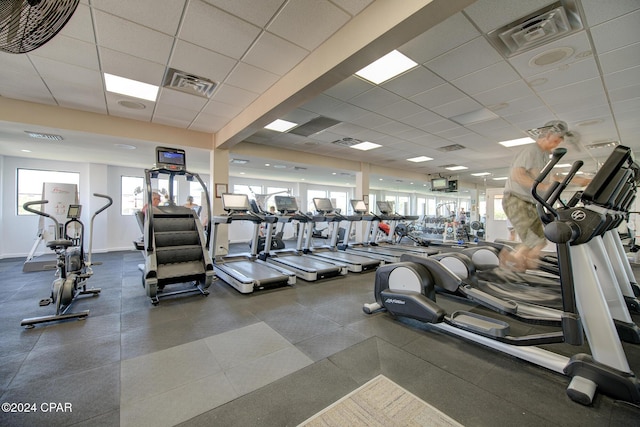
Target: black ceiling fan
x: 26, y: 25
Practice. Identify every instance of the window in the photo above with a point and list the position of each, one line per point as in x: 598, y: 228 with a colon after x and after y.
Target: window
x: 163, y: 189
x: 195, y: 190
x: 30, y: 183
x: 339, y: 200
x: 249, y: 190
x: 131, y: 190
x: 272, y: 192
x: 421, y: 206
x: 404, y: 205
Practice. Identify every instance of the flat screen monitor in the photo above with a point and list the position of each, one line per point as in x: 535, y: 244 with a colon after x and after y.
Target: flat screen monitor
x: 359, y: 206
x: 286, y: 204
x: 323, y: 205
x: 171, y: 158
x: 235, y: 202
x: 439, y: 184
x: 385, y: 207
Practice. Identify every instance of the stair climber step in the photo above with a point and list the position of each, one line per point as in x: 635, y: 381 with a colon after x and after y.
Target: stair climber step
x: 176, y: 238
x: 171, y: 223
x: 176, y: 254
x: 180, y: 269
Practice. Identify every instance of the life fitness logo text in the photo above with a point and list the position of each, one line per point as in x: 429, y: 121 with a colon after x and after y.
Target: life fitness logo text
x: 578, y: 215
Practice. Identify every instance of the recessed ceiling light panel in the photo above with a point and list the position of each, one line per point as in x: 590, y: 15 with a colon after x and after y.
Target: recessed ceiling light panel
x: 133, y: 88
x: 387, y: 67
x: 280, y: 125
x: 420, y: 159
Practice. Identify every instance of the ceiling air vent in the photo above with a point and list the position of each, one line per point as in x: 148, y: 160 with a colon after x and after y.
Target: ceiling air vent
x: 543, y: 26
x: 189, y: 83
x: 40, y: 135
x: 452, y: 147
x: 314, y: 126
x: 346, y: 142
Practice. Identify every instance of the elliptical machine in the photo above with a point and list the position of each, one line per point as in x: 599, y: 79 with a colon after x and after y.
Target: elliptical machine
x: 407, y: 289
x: 73, y: 266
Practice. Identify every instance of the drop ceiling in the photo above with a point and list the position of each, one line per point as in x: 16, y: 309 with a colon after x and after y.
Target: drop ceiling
x: 465, y: 91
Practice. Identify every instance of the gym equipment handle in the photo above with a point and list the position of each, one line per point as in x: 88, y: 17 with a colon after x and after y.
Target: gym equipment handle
x: 557, y: 154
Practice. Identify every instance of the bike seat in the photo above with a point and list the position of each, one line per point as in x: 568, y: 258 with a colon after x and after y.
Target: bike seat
x: 59, y: 244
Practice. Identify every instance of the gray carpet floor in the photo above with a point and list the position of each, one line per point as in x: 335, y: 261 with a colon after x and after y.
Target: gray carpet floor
x: 271, y: 358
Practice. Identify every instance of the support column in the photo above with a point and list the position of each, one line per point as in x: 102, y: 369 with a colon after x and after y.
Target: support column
x: 362, y: 192
x: 218, y: 184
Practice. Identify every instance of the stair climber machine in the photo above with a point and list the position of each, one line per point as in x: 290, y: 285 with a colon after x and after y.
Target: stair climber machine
x: 175, y: 245
x: 304, y: 265
x: 407, y: 289
x: 355, y: 263
x: 246, y: 272
x: 73, y: 265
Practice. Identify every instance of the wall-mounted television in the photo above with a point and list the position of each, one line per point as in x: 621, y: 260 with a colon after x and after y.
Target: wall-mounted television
x: 439, y: 184
x: 452, y: 186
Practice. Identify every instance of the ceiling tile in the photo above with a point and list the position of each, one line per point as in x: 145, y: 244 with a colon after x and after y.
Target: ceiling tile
x: 274, y: 54
x: 457, y: 107
x: 233, y: 95
x: 202, y: 62
x: 80, y: 26
x: 439, y: 95
x: 175, y: 100
x: 504, y: 94
x: 616, y: 33
x: 598, y: 11
x: 623, y: 79
x: 492, y: 77
x: 308, y: 23
x: 619, y: 59
x: 117, y: 33
x: 353, y: 7
x: 69, y: 50
x: 140, y: 11
x: 348, y: 88
x: 251, y: 78
x: 418, y: 79
x: 471, y: 56
x: 131, y: 67
x: 440, y: 39
x: 216, y: 30
x: 257, y: 12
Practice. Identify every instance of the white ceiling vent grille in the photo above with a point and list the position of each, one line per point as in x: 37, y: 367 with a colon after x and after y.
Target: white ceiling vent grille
x: 189, y: 83
x: 346, y: 142
x: 541, y: 27
x: 314, y: 126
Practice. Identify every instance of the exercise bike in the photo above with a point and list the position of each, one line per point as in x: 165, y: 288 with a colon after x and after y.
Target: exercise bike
x: 73, y: 266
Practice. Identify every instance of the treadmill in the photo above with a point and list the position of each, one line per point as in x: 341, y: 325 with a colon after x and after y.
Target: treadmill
x: 246, y: 272
x: 304, y: 266
x: 356, y: 263
x: 387, y: 214
x: 369, y: 248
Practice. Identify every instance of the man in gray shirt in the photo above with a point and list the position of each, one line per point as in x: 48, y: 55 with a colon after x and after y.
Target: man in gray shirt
x: 518, y: 203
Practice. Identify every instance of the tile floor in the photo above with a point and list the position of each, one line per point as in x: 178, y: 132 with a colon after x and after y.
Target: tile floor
x: 272, y: 358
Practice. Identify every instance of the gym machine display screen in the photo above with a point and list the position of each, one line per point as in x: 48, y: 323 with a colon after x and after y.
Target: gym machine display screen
x: 359, y: 206
x: 235, y: 202
x: 171, y: 158
x: 74, y: 211
x: 439, y: 184
x: 286, y: 204
x: 385, y: 207
x: 323, y: 205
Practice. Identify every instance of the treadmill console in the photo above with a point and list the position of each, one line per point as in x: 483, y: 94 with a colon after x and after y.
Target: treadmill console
x: 235, y: 202
x: 173, y: 159
x: 359, y: 206
x: 323, y: 206
x: 286, y: 204
x: 385, y: 208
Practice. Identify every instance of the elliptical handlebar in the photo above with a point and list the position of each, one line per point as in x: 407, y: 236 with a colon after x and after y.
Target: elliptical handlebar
x: 109, y: 203
x: 557, y: 154
x: 27, y: 207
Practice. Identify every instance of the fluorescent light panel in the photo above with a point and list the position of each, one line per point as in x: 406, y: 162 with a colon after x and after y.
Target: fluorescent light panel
x: 457, y: 168
x: 128, y: 87
x: 516, y: 142
x: 420, y: 159
x: 501, y: 178
x: 281, y: 125
x: 387, y: 67
x: 481, y: 174
x: 366, y: 145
